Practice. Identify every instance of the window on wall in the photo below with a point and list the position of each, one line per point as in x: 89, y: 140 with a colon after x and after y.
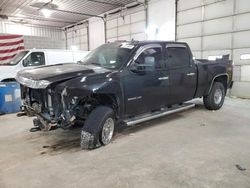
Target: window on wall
x: 178, y: 56
x: 214, y: 57
x: 34, y: 59
x: 245, y: 57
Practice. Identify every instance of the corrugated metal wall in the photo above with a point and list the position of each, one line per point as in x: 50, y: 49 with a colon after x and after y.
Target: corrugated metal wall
x: 31, y: 42
x: 36, y: 36
x: 32, y: 30
x: 217, y: 27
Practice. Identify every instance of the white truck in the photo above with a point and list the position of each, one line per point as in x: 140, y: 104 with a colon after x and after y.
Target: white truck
x: 37, y: 57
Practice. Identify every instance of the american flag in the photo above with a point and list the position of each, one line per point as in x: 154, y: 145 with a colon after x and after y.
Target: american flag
x: 10, y: 45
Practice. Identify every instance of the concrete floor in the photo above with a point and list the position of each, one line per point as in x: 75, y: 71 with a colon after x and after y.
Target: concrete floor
x: 195, y: 148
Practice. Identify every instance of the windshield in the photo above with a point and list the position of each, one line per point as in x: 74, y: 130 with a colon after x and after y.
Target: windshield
x: 110, y: 56
x: 17, y: 58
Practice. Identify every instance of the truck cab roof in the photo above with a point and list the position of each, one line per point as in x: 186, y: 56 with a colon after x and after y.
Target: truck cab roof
x: 145, y: 42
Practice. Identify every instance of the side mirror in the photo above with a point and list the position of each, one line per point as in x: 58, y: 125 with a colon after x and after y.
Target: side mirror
x: 24, y: 63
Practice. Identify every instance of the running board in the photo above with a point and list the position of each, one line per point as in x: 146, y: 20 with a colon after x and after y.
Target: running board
x: 154, y: 115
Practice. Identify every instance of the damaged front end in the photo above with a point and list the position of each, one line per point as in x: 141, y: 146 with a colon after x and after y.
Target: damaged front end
x: 65, y: 99
x: 39, y: 103
x: 55, y: 107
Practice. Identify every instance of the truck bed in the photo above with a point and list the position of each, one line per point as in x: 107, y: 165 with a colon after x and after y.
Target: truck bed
x: 208, y: 70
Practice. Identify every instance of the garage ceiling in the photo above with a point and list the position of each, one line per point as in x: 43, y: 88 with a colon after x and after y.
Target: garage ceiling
x: 64, y: 12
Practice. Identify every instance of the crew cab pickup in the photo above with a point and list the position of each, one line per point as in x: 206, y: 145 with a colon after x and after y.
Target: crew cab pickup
x: 122, y: 83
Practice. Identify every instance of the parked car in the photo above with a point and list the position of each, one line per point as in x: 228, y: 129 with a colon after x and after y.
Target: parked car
x: 123, y: 83
x: 37, y: 57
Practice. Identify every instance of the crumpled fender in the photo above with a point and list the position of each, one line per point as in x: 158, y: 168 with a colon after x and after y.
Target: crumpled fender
x: 85, y: 86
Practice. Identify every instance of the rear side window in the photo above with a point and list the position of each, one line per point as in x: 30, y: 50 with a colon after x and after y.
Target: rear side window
x: 178, y: 56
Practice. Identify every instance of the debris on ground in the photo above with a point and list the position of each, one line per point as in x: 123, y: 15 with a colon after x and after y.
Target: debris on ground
x: 43, y: 152
x: 240, y: 167
x: 20, y: 114
x: 35, y: 129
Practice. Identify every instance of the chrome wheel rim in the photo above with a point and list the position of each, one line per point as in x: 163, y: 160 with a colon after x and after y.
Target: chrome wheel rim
x: 218, y: 96
x: 107, y: 131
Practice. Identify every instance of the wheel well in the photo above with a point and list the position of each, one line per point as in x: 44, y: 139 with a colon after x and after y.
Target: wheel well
x: 107, y: 100
x: 84, y: 106
x: 223, y: 80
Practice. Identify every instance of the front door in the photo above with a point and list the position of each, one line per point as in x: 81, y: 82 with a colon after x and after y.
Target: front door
x: 146, y: 81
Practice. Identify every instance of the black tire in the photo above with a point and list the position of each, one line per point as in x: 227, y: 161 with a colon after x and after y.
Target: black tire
x: 212, y: 101
x: 93, y: 126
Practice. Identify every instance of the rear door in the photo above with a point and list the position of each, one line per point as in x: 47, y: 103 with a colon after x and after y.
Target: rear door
x: 183, y: 73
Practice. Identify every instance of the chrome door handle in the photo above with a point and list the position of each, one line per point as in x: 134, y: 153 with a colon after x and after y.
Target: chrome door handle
x: 191, y: 74
x: 163, y: 78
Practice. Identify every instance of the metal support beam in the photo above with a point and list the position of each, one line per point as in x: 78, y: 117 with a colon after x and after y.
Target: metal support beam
x: 105, y: 28
x: 233, y: 29
x: 79, y: 13
x: 176, y: 14
x: 107, y: 3
x: 88, y: 42
x: 41, y: 19
x: 146, y: 11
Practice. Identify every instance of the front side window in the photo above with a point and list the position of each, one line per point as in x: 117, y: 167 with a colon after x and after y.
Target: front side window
x: 151, y: 58
x: 34, y: 59
x: 178, y: 56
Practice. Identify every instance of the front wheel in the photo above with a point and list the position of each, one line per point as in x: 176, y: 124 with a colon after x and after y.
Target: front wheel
x: 99, y: 128
x: 216, y: 97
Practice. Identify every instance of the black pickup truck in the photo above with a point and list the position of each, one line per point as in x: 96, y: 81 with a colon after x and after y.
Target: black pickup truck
x: 122, y: 83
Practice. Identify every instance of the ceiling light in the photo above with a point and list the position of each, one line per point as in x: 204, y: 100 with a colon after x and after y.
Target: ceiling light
x: 46, y: 12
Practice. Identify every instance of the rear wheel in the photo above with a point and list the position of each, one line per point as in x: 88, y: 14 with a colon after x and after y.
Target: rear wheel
x: 215, y: 99
x: 99, y: 128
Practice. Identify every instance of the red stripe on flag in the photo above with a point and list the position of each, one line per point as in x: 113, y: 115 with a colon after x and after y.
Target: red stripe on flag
x: 7, y: 57
x: 11, y: 43
x: 2, y: 37
x: 12, y: 50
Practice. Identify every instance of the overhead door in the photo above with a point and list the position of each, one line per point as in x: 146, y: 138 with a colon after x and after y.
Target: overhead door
x: 127, y: 25
x: 217, y: 27
x: 77, y: 37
